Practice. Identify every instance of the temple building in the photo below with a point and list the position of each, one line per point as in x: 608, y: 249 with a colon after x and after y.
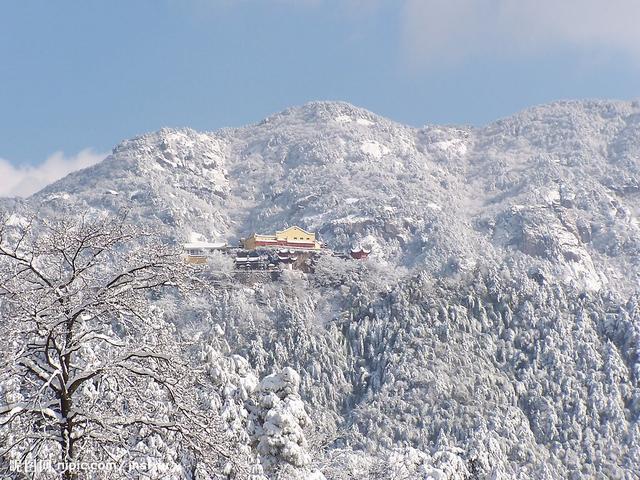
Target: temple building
x: 197, y: 252
x: 360, y: 253
x: 286, y: 258
x: 292, y: 238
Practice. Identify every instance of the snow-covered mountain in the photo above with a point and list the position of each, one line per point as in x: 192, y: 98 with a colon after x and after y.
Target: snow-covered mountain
x: 494, y: 330
x: 556, y: 186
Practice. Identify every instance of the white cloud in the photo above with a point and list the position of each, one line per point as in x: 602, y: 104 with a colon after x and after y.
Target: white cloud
x: 22, y: 181
x: 454, y: 30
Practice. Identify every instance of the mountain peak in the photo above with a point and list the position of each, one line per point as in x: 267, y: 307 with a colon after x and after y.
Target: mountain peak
x: 324, y: 112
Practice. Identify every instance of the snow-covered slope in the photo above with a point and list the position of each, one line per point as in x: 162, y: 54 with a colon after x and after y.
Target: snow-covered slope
x: 493, y: 326
x: 558, y: 184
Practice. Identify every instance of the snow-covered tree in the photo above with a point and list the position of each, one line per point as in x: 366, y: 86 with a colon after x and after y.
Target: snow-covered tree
x: 277, y: 423
x: 91, y: 371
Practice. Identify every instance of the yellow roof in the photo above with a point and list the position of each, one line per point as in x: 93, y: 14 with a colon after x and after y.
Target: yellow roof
x: 295, y: 227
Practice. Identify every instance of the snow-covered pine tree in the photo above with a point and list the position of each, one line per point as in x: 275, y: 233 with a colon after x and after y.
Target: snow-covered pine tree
x: 277, y: 423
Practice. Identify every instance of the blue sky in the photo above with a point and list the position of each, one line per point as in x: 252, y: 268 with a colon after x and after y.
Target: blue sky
x: 76, y: 77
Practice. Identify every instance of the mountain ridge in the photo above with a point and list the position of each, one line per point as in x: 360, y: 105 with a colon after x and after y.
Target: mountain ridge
x: 494, y: 330
x: 346, y: 173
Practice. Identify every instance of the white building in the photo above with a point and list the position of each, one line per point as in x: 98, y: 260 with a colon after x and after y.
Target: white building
x: 197, y: 252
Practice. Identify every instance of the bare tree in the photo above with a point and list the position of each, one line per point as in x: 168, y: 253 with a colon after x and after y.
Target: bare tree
x: 89, y: 367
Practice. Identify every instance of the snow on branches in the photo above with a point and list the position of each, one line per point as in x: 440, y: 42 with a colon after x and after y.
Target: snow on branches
x: 91, y: 371
x: 278, y: 418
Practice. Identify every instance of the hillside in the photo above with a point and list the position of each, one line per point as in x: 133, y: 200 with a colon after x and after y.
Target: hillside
x: 557, y: 183
x: 494, y: 332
